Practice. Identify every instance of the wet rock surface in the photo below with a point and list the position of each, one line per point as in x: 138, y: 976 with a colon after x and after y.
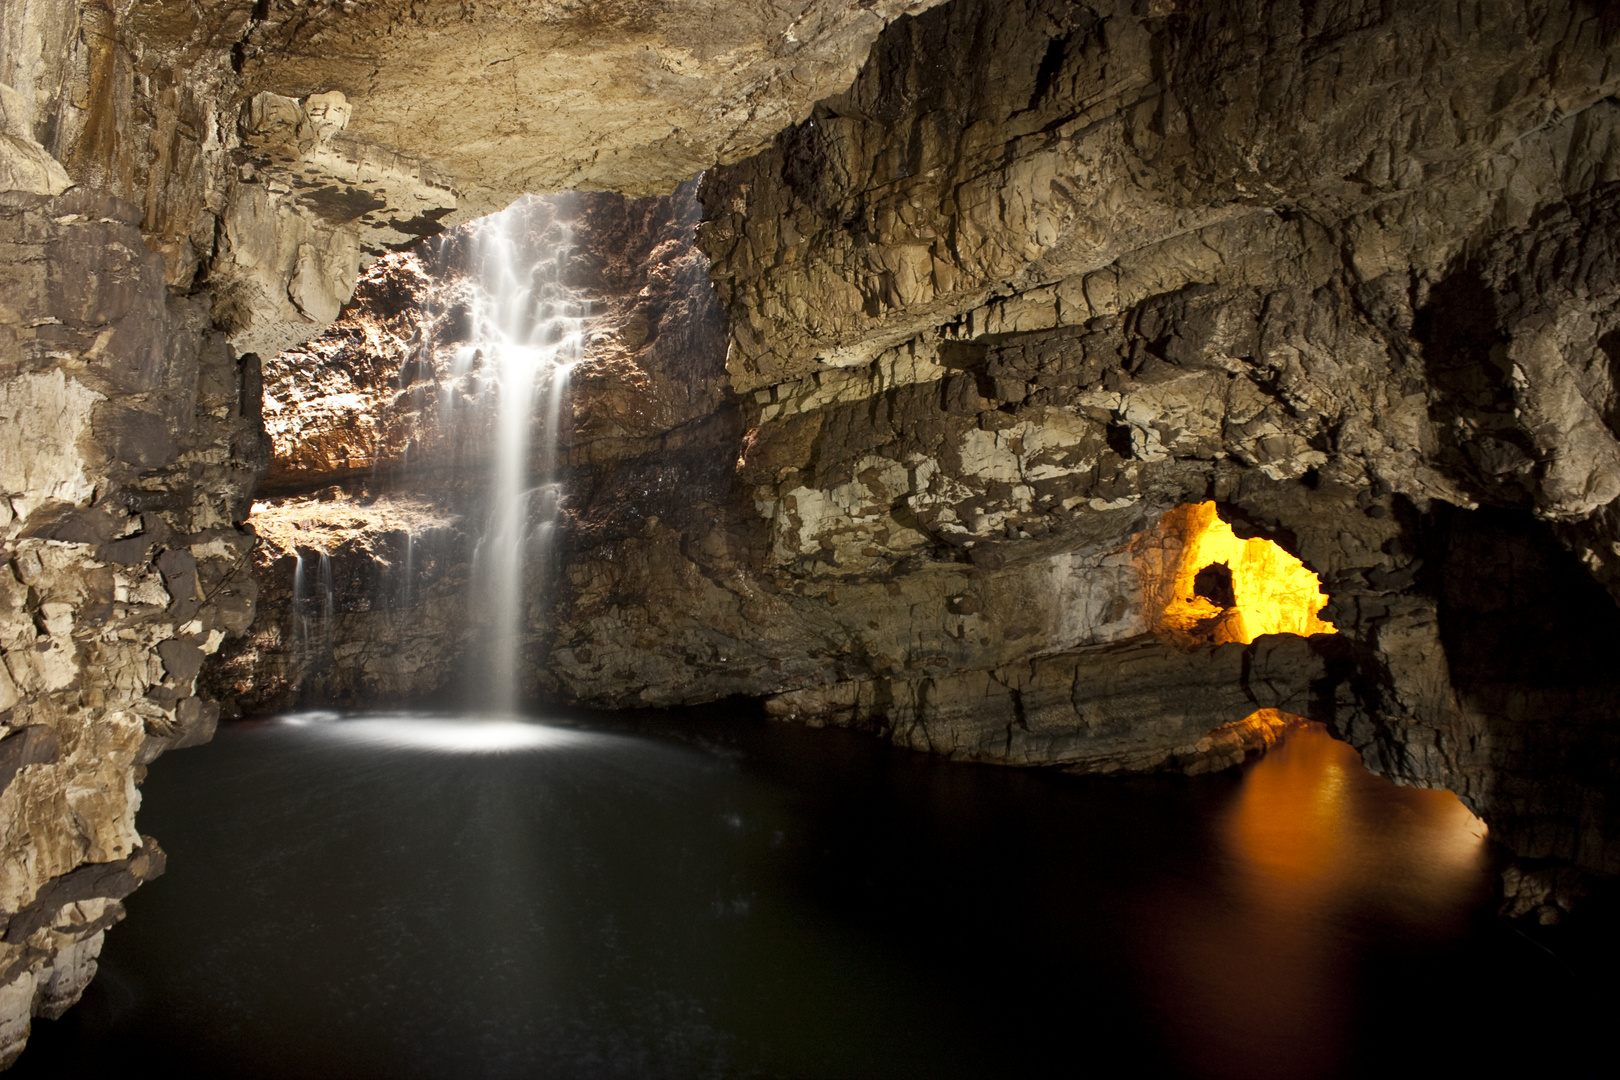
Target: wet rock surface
x: 980, y: 305
x: 362, y: 128
x: 171, y: 211
x: 378, y: 483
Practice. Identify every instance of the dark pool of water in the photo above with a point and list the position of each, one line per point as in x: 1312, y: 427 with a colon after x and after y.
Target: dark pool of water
x: 706, y: 897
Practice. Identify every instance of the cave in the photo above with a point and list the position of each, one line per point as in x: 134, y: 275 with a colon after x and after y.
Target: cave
x: 814, y: 538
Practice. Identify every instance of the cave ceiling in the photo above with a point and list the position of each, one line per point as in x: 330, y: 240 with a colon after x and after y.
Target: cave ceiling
x: 541, y: 95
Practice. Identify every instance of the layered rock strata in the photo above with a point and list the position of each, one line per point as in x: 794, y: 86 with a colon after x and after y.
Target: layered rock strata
x: 376, y: 497
x: 1049, y: 262
x: 1046, y: 272
x: 361, y: 127
x: 130, y: 439
x: 541, y: 95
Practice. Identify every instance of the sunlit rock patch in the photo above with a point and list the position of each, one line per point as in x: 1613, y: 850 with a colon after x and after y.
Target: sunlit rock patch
x: 332, y: 519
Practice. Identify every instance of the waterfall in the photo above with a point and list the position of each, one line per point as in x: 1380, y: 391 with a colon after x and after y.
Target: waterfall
x: 327, y: 592
x: 528, y: 331
x: 312, y: 625
x: 410, y: 569
x: 300, y: 625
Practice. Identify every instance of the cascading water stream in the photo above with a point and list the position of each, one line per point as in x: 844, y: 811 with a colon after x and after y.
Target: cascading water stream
x: 300, y: 623
x: 312, y: 629
x: 528, y: 334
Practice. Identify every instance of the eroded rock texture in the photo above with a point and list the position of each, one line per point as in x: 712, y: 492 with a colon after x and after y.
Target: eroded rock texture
x: 377, y: 495
x: 1048, y: 270
x: 1044, y: 273
x: 364, y: 126
x: 127, y: 450
x: 542, y: 95
x: 1248, y: 251
x: 129, y: 438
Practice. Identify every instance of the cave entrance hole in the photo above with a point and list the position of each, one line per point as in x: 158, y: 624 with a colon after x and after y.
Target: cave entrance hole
x: 1205, y: 584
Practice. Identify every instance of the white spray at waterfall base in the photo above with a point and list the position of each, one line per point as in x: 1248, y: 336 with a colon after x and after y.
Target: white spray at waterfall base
x: 528, y: 333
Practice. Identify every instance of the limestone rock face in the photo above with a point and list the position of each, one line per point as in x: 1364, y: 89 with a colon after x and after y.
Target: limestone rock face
x: 1048, y: 271
x: 1043, y: 273
x: 185, y: 187
x: 375, y: 498
x: 360, y: 128
x: 545, y: 95
x: 1080, y: 136
x: 1046, y: 262
x: 280, y: 147
x: 127, y: 449
x: 127, y: 99
x: 1132, y: 707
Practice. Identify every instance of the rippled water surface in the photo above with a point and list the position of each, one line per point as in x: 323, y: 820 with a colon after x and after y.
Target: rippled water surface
x: 443, y: 897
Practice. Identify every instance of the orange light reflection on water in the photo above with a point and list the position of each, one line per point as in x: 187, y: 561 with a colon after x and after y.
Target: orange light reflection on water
x: 1311, y: 824
x: 1314, y: 847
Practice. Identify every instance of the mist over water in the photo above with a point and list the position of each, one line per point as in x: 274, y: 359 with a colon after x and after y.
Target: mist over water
x: 446, y: 896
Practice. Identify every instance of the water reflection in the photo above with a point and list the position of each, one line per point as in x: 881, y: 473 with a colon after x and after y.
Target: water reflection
x: 427, y: 897
x: 450, y: 735
x: 1317, y: 858
x: 1311, y: 827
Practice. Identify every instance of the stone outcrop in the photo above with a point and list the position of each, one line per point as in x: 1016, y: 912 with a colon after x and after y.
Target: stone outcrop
x: 376, y: 495
x: 1136, y: 706
x: 543, y: 95
x: 130, y: 440
x: 1044, y: 260
x: 362, y: 127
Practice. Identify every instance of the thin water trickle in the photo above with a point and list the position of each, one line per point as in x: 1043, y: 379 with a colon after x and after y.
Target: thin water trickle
x: 410, y: 569
x: 300, y: 624
x: 327, y: 593
x: 311, y: 615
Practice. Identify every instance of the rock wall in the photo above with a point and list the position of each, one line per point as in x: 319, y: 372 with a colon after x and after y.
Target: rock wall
x: 1045, y: 272
x: 1131, y: 256
x: 542, y: 95
x: 1048, y: 271
x: 129, y: 441
x: 378, y: 483
x: 185, y: 187
x: 365, y: 126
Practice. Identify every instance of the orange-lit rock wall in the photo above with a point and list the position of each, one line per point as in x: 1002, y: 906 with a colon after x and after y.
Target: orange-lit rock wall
x: 1274, y: 593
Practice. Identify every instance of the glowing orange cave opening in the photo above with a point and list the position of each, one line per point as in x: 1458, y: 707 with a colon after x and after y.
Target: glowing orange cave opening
x: 1210, y: 585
